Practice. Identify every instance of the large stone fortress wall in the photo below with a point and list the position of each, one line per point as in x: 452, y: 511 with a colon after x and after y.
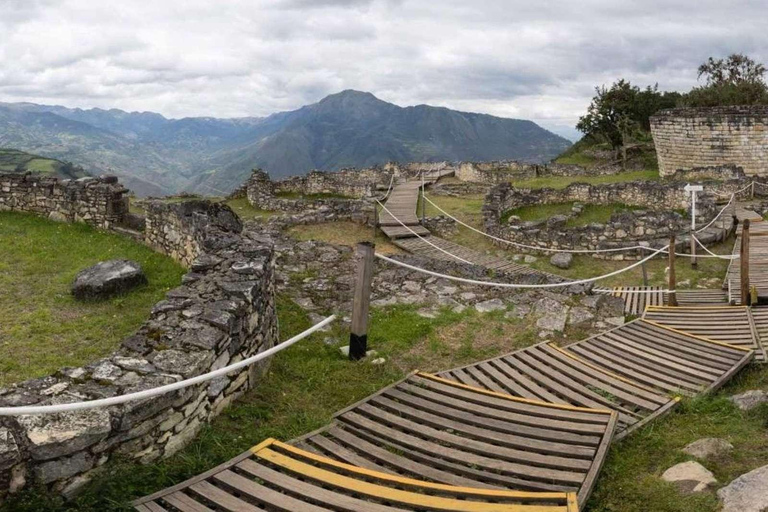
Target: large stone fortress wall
x: 694, y: 138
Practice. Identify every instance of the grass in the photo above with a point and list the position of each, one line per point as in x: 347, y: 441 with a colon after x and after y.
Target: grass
x: 246, y: 211
x: 343, y: 233
x: 318, y: 195
x: 42, y: 327
x: 581, y: 159
x: 629, y: 481
x: 304, y: 386
x: 559, y: 182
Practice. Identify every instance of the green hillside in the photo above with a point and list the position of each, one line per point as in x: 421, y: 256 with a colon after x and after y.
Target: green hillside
x: 13, y: 160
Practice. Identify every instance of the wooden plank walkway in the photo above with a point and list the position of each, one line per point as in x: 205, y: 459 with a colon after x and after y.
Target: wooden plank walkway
x: 637, y: 370
x: 437, y: 429
x: 416, y: 239
x: 728, y: 324
x: 276, y: 476
x: 758, y: 256
x: 637, y: 298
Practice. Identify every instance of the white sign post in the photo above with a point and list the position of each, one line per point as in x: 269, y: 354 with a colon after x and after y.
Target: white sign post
x: 693, y: 189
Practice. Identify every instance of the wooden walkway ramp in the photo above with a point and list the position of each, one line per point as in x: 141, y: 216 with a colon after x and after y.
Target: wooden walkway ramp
x: 401, y: 224
x: 638, y: 298
x: 758, y: 256
x: 637, y: 370
x: 734, y: 325
x: 424, y: 443
x: 275, y: 476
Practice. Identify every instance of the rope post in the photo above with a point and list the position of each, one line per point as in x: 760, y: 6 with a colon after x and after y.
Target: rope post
x: 672, y: 278
x: 375, y: 220
x: 744, y: 257
x: 694, y: 263
x: 645, y: 269
x: 752, y: 193
x: 358, y: 337
x: 423, y: 200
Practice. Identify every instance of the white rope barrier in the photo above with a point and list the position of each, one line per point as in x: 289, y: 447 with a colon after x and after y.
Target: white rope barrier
x: 624, y: 288
x: 422, y: 238
x: 713, y: 255
x: 733, y: 198
x: 518, y: 285
x: 149, y: 393
x: 573, y: 251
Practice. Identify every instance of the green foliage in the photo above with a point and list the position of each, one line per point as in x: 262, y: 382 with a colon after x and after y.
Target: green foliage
x: 42, y: 327
x: 13, y: 160
x: 737, y: 80
x: 617, y: 112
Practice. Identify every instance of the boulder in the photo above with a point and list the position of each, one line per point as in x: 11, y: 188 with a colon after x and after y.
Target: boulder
x: 750, y: 399
x: 553, y: 314
x: 108, y: 278
x: 689, y: 477
x: 708, y: 447
x: 562, y: 260
x: 747, y: 493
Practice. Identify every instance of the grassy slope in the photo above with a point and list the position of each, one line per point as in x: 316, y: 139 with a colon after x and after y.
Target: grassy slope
x: 343, y: 233
x: 11, y: 159
x: 42, y: 327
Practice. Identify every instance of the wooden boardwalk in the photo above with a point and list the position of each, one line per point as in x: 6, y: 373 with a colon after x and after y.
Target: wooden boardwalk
x: 734, y: 325
x: 758, y: 256
x: 637, y: 370
x: 401, y: 224
x: 638, y: 298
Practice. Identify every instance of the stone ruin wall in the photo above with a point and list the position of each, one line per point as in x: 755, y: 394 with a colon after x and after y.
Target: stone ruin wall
x: 223, y: 312
x: 693, y: 138
x: 653, y: 225
x: 261, y: 193
x: 100, y: 202
x: 493, y: 173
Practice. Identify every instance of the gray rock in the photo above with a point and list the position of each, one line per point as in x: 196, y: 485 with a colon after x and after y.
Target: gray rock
x: 427, y: 313
x: 689, y: 477
x: 55, y: 435
x: 379, y: 361
x: 64, y: 468
x: 519, y: 311
x: 9, y: 450
x: 747, y: 493
x: 580, y: 316
x: 562, y: 260
x: 530, y: 259
x: 182, y: 363
x: 490, y: 305
x: 708, y: 447
x: 553, y: 314
x: 108, y: 278
x: 750, y: 399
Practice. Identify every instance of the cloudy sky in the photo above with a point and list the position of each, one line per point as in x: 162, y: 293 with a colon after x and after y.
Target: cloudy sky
x: 537, y: 60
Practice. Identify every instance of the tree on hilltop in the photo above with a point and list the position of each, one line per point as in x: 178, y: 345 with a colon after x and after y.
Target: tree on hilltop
x: 736, y: 80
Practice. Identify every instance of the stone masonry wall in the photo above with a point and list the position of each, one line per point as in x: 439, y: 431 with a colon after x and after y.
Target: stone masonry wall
x: 493, y: 173
x: 100, y: 202
x: 653, y: 224
x: 222, y: 313
x: 709, y: 137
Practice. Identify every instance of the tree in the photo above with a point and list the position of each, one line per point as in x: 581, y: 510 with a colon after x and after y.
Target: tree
x: 737, y: 80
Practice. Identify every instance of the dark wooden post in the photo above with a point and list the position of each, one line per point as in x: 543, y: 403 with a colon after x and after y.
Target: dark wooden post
x: 694, y: 263
x: 744, y: 257
x: 672, y: 278
x: 358, y: 337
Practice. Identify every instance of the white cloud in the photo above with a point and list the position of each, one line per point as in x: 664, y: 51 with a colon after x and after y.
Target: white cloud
x: 534, y: 60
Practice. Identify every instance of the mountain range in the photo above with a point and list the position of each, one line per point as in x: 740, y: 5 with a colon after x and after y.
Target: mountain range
x: 154, y: 155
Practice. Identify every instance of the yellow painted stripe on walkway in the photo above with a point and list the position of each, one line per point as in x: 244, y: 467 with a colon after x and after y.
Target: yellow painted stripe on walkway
x: 397, y: 495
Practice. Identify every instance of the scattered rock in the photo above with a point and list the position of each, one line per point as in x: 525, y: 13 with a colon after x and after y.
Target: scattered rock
x: 689, y: 477
x: 378, y: 361
x: 427, y: 313
x: 750, y: 399
x: 562, y: 260
x: 490, y: 305
x: 530, y: 259
x: 519, y: 311
x: 708, y: 447
x: 553, y: 314
x: 580, y: 315
x: 108, y: 278
x: 747, y: 493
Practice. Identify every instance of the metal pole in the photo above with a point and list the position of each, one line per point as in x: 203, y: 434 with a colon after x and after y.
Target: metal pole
x: 672, y: 278
x: 694, y: 263
x: 358, y: 337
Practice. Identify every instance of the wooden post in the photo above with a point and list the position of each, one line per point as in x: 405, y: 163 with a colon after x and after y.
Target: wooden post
x: 694, y: 263
x: 744, y: 262
x: 645, y: 274
x: 423, y: 200
x: 672, y: 278
x: 358, y: 337
x: 375, y: 220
